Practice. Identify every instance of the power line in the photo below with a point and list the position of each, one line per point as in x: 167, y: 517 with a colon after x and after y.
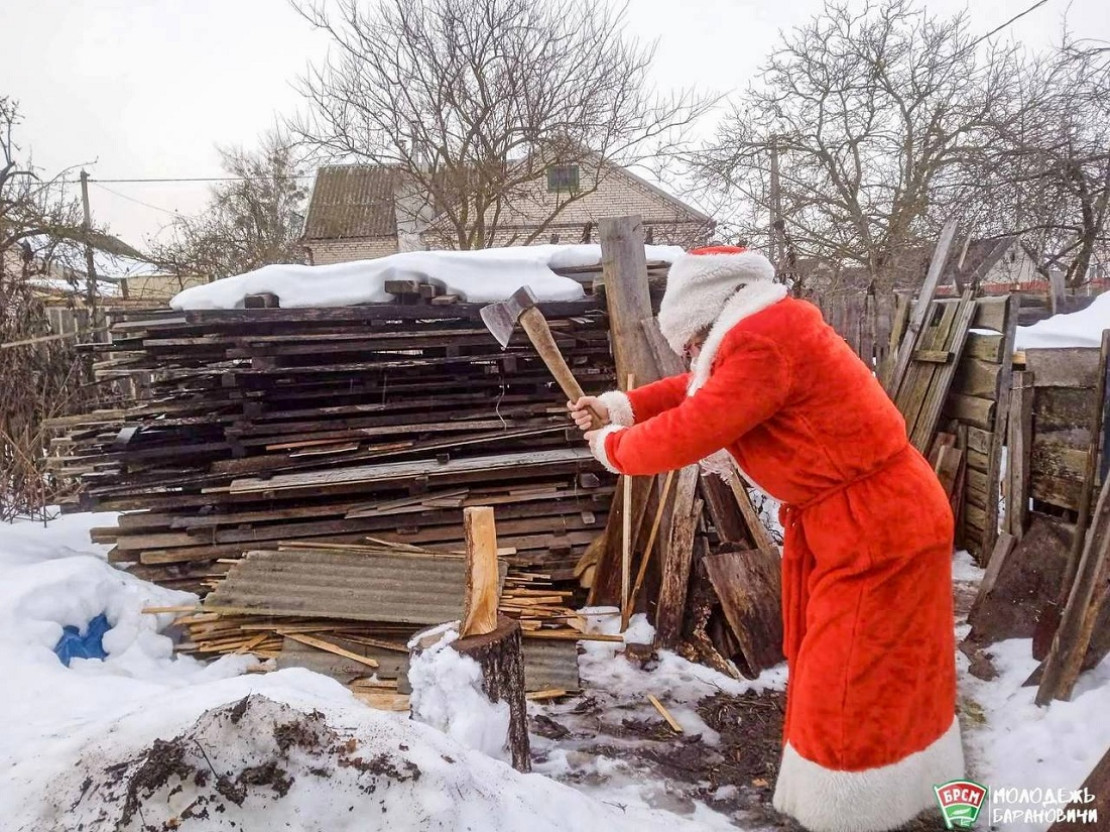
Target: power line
x: 132, y: 199
x: 196, y: 179
x: 1013, y: 19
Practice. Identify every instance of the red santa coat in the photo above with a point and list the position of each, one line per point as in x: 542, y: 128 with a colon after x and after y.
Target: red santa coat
x: 867, y: 585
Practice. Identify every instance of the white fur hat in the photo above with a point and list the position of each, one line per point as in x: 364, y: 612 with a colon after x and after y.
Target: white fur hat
x: 699, y: 284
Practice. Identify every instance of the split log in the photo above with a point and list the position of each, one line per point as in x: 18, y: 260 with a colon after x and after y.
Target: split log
x: 482, y: 578
x: 749, y: 588
x: 677, y: 557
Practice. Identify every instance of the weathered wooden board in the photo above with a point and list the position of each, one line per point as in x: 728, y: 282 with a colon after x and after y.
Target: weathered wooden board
x: 1064, y: 493
x: 1063, y: 409
x: 1063, y: 367
x: 1057, y: 460
x: 991, y: 313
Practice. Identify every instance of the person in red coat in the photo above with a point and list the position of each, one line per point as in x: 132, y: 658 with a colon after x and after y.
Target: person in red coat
x: 869, y: 636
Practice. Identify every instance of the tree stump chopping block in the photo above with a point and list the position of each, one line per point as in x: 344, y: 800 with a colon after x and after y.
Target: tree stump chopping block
x: 501, y: 658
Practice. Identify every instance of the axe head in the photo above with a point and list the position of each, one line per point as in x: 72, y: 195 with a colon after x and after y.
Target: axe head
x: 500, y: 318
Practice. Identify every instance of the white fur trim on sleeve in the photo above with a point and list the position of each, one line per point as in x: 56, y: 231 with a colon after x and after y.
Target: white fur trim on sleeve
x: 886, y: 797
x: 620, y: 408
x: 597, y: 446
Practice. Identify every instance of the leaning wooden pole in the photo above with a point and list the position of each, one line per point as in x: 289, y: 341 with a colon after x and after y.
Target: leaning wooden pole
x: 1069, y: 645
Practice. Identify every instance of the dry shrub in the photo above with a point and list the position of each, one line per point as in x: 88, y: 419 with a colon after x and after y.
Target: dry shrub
x: 41, y: 380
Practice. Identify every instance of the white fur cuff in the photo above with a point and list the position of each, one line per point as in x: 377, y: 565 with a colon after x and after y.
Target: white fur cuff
x: 597, y: 446
x: 826, y: 800
x: 619, y: 407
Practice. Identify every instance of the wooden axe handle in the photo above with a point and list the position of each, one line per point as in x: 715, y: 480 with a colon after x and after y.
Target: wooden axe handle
x: 535, y: 324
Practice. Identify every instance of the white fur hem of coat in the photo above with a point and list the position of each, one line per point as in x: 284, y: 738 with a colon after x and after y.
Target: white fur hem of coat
x: 619, y: 407
x: 597, y: 446
x: 826, y: 800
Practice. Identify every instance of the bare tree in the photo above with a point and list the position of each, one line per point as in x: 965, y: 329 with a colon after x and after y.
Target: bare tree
x: 34, y: 209
x: 42, y: 375
x: 252, y: 221
x: 484, y: 107
x: 1047, y: 175
x: 872, y: 111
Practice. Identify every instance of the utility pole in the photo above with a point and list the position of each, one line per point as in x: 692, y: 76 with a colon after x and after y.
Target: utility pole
x: 90, y: 266
x: 776, y: 205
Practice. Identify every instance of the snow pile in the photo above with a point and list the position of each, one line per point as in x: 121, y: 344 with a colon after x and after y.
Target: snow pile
x: 447, y: 695
x: 475, y: 276
x: 165, y: 737
x: 1078, y: 329
x: 1015, y: 745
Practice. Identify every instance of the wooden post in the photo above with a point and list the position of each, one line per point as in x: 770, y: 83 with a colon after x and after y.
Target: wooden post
x: 1020, y: 453
x: 650, y: 547
x: 1001, y: 415
x: 628, y: 300
x: 482, y: 590
x: 90, y: 263
x: 1056, y: 294
x: 624, y: 270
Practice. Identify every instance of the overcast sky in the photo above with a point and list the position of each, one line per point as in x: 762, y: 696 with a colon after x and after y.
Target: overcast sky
x: 146, y: 88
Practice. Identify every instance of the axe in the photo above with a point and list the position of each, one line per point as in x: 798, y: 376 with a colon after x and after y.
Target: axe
x: 501, y: 318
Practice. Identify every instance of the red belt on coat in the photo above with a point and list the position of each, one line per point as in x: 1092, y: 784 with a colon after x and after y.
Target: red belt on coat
x: 798, y: 561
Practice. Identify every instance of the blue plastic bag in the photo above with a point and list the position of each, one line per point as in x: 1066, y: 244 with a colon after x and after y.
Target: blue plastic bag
x: 73, y: 645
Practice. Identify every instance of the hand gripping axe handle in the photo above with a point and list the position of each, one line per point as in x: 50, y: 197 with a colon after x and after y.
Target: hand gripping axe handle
x: 501, y: 319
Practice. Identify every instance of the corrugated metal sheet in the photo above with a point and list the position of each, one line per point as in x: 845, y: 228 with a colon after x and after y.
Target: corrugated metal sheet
x: 551, y: 663
x: 548, y: 664
x: 352, y: 201
x: 396, y: 589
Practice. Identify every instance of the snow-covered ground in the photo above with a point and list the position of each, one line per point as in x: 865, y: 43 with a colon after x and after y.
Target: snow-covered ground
x: 76, y: 745
x: 70, y: 733
x: 475, y: 276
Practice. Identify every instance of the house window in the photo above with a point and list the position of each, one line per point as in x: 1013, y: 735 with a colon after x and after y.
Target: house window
x: 562, y: 178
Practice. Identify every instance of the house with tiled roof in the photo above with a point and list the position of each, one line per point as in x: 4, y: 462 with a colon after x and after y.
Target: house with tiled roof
x: 358, y: 212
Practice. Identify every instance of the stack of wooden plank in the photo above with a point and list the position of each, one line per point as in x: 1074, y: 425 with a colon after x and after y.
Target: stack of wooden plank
x: 268, y: 425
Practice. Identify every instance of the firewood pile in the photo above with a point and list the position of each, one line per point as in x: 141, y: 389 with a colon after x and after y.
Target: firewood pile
x: 279, y: 462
